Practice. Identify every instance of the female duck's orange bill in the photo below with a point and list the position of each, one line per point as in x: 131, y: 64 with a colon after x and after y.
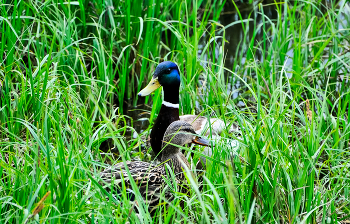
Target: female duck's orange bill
x: 201, y: 141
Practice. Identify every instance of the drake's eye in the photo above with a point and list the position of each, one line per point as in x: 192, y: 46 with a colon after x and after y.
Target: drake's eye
x: 168, y: 70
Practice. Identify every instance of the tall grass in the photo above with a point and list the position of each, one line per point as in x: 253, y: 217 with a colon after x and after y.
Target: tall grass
x: 68, y: 67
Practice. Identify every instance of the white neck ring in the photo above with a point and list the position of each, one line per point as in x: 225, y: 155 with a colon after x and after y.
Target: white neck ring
x: 170, y: 104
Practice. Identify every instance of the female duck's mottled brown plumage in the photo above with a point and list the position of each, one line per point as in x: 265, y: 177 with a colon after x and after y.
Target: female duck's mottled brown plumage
x: 150, y: 177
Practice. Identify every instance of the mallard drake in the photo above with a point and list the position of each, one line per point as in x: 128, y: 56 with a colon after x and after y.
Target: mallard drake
x: 150, y: 177
x: 167, y: 74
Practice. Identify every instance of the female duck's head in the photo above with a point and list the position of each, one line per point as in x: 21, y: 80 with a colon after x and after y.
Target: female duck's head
x: 177, y: 134
x: 167, y: 74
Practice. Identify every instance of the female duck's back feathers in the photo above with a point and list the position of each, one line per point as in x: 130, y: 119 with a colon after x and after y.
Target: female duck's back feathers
x: 140, y: 172
x: 147, y: 176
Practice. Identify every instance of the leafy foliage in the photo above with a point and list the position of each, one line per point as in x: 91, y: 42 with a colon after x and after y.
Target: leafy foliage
x: 68, y: 67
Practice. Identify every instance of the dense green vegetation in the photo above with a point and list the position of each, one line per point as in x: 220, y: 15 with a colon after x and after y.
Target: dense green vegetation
x: 67, y: 67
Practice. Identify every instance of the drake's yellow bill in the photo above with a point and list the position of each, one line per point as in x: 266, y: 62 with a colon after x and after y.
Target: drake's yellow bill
x: 150, y: 88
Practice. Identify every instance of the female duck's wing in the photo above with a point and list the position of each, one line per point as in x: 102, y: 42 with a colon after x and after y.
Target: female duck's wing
x: 147, y: 177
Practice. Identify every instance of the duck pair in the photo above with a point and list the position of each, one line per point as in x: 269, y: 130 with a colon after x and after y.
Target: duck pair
x: 167, y: 134
x: 167, y: 74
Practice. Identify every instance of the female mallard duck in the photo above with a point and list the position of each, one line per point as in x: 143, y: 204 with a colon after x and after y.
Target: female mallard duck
x: 149, y: 177
x: 167, y: 74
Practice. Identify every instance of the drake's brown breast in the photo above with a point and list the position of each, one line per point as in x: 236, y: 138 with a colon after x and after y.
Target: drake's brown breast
x: 166, y: 116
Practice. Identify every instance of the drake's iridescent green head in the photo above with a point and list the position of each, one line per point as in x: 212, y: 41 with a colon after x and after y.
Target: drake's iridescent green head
x: 167, y: 74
